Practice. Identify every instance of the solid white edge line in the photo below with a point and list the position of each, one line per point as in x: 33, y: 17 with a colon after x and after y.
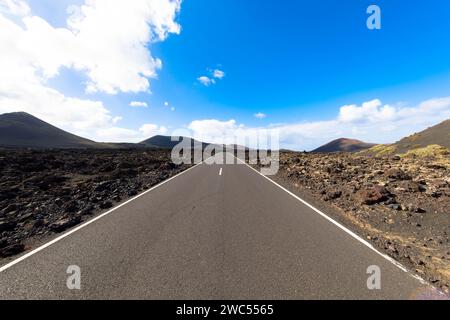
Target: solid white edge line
x: 68, y: 233
x: 345, y: 229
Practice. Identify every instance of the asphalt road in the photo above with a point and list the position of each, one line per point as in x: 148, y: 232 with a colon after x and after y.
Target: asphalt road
x: 209, y: 234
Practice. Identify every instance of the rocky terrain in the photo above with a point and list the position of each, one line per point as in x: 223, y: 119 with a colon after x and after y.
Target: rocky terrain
x: 399, y: 203
x: 43, y: 193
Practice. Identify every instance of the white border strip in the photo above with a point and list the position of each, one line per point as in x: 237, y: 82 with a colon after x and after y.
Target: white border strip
x: 48, y: 244
x: 340, y: 226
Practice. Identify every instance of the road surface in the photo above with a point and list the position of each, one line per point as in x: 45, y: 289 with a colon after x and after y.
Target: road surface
x: 213, y: 232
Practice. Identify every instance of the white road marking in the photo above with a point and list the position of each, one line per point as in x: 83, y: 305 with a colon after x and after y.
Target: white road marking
x: 351, y: 233
x: 48, y: 244
x: 220, y: 172
x: 340, y: 226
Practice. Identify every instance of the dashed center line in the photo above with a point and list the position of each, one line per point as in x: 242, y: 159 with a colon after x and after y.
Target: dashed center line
x: 220, y: 172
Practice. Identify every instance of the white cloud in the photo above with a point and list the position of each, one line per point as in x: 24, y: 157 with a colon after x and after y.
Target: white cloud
x: 115, y: 134
x: 260, y: 115
x: 115, y: 120
x: 374, y: 112
x: 106, y: 40
x: 371, y: 122
x: 212, y: 127
x: 166, y: 104
x: 218, y: 74
x: 163, y: 130
x: 110, y: 40
x: 14, y: 7
x: 214, y: 131
x: 209, y: 80
x: 75, y: 115
x: 206, y: 81
x: 371, y: 111
x: 138, y: 104
x: 172, y: 109
x: 433, y: 105
x: 150, y: 130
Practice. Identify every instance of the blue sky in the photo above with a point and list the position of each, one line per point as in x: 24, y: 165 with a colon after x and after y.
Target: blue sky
x: 296, y: 62
x: 301, y: 60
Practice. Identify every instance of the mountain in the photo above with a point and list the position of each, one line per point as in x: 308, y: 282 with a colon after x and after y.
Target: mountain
x: 22, y: 130
x: 436, y: 135
x: 165, y: 142
x: 344, y: 145
x: 432, y: 141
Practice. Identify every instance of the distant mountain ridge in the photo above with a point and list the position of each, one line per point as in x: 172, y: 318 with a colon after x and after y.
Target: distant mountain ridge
x: 438, y: 135
x: 22, y: 130
x: 168, y: 142
x: 432, y: 141
x: 344, y: 145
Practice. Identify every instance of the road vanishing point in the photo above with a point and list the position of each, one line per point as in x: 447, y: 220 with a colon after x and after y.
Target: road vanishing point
x: 212, y: 232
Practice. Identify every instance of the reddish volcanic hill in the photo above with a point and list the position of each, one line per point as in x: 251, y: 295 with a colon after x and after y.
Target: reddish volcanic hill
x: 344, y: 145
